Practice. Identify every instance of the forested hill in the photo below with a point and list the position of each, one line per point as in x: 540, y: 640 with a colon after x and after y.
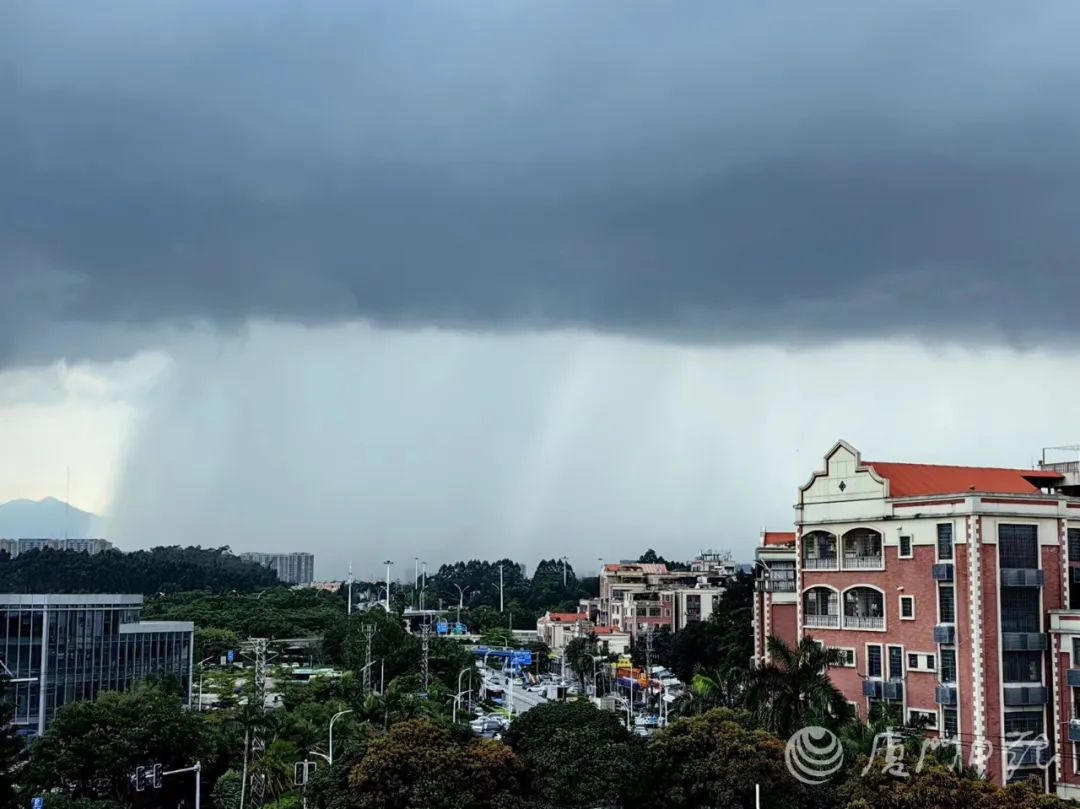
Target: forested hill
x: 164, y: 569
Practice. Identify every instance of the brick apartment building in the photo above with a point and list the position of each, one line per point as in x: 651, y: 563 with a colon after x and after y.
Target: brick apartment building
x: 948, y: 590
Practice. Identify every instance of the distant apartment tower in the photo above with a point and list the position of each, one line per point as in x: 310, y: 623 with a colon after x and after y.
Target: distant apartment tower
x: 57, y: 649
x: 291, y: 568
x: 14, y: 547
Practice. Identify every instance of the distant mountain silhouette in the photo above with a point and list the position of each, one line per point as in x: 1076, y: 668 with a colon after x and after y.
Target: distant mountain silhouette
x: 46, y: 519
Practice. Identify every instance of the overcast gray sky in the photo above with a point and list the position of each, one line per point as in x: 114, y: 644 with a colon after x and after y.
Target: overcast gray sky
x: 393, y: 244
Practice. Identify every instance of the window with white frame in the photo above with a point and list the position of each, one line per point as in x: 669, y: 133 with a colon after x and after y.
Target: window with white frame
x: 847, y: 656
x: 907, y: 608
x: 924, y: 718
x: 922, y: 661
x: 906, y: 551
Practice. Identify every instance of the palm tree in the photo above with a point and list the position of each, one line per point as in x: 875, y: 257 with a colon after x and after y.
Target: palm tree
x: 794, y: 690
x: 712, y: 688
x: 581, y: 656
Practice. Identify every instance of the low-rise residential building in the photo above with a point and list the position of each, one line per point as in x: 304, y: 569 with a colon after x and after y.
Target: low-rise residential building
x: 949, y: 592
x: 56, y: 649
x: 774, y: 593
x: 611, y: 641
x: 557, y: 629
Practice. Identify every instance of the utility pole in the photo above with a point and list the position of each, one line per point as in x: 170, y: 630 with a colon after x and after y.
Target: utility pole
x: 256, y: 650
x: 425, y: 643
x: 500, y: 588
x: 369, y: 633
x: 415, y: 579
x: 388, y: 563
x: 564, y: 572
x: 349, y: 584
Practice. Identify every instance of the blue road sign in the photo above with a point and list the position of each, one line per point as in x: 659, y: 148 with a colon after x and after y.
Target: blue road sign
x: 229, y: 656
x: 37, y: 803
x: 442, y: 627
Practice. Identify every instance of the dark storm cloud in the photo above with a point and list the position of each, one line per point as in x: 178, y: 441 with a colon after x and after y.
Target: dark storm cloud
x: 698, y: 170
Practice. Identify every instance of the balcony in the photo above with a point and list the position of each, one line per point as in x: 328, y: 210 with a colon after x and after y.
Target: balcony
x: 1023, y: 642
x: 822, y: 621
x: 1025, y: 695
x: 942, y: 571
x: 863, y: 562
x: 821, y: 563
x: 864, y: 608
x: 1021, y: 577
x: 1072, y: 678
x: 1028, y: 753
x: 775, y: 585
x: 945, y: 634
x: 945, y: 695
x: 1074, y: 730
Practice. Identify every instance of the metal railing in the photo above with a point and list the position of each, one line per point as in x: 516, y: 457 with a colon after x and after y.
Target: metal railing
x: 860, y: 561
x: 821, y: 563
x: 821, y: 620
x: 864, y: 621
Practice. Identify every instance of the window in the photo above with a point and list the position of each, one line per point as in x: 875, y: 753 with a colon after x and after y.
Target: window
x: 1022, y: 667
x: 921, y: 661
x: 923, y: 718
x: 946, y: 604
x: 896, y: 662
x: 1076, y: 651
x: 944, y: 542
x: 873, y: 660
x: 907, y: 608
x: 905, y: 547
x: 847, y: 657
x: 948, y: 665
x: 951, y: 726
x: 1074, y: 544
x: 864, y: 608
x: 1019, y: 609
x: 1019, y: 722
x: 1018, y: 546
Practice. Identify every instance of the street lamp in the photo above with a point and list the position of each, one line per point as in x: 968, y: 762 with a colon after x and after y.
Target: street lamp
x: 201, y: 662
x: 461, y: 600
x: 388, y: 563
x: 330, y: 745
x: 457, y: 697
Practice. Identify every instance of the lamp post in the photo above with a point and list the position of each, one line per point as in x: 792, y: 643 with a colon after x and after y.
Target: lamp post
x: 349, y: 585
x: 461, y: 600
x: 388, y: 563
x: 201, y: 662
x: 457, y: 697
x: 415, y: 579
x: 330, y: 744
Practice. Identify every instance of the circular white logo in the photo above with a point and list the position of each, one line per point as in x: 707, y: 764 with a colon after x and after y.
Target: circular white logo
x: 813, y: 754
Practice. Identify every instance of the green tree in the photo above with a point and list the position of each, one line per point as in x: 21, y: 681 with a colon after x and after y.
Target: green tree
x: 91, y: 749
x: 226, y: 794
x: 11, y: 749
x: 576, y: 755
x: 419, y: 764
x: 712, y: 688
x: 715, y: 760
x: 580, y: 655
x: 795, y: 690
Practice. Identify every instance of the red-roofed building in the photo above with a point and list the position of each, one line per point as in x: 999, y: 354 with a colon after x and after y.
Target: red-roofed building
x: 947, y: 590
x: 557, y: 629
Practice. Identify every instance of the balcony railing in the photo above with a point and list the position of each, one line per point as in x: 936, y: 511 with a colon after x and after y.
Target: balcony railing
x: 859, y: 561
x: 820, y: 563
x: 775, y: 585
x: 821, y: 620
x: 864, y: 622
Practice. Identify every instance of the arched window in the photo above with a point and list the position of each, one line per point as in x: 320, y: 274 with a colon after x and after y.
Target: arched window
x: 819, y: 551
x: 864, y: 608
x: 862, y: 549
x: 821, y: 607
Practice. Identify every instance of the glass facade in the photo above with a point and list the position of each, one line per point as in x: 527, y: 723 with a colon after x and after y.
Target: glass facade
x: 62, y: 648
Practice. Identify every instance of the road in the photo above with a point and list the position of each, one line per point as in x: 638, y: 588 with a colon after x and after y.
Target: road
x: 523, y: 700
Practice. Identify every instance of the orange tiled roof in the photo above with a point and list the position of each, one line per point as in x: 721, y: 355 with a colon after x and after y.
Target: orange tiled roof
x: 917, y: 480
x: 567, y: 617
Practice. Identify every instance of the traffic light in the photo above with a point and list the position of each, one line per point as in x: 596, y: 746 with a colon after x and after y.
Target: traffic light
x: 157, y: 776
x: 140, y: 779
